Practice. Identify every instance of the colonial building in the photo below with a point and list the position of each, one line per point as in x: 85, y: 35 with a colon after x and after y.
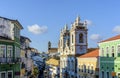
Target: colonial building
x: 88, y: 65
x: 72, y: 42
x: 52, y: 68
x: 10, y: 48
x: 110, y: 57
x: 52, y: 50
x: 25, y: 60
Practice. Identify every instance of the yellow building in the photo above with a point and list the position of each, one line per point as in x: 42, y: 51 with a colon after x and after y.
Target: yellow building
x: 22, y: 72
x: 88, y: 65
x: 52, y: 70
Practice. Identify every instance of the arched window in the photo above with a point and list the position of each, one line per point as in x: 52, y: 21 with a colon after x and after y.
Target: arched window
x: 118, y: 50
x: 72, y: 38
x: 88, y: 69
x: 107, y: 51
x: 102, y: 52
x: 91, y: 69
x: 80, y: 38
x: 112, y: 51
x: 85, y: 68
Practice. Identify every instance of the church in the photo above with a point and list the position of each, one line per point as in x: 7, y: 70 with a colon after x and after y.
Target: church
x: 72, y: 43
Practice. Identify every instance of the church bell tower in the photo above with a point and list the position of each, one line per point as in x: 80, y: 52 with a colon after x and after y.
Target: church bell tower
x: 78, y: 37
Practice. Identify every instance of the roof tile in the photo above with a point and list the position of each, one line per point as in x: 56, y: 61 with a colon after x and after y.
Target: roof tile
x: 94, y: 53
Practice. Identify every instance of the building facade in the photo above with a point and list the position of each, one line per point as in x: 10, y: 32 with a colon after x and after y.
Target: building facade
x: 52, y: 68
x: 110, y: 57
x: 10, y: 48
x: 88, y: 65
x: 72, y: 42
x: 25, y: 47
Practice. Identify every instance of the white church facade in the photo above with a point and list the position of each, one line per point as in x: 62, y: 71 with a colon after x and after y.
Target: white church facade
x: 72, y: 43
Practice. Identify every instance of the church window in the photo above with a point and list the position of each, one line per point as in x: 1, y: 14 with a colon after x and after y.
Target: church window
x: 72, y: 38
x: 61, y: 42
x: 81, y: 38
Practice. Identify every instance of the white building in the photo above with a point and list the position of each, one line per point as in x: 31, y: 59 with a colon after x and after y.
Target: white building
x: 52, y: 68
x: 72, y: 42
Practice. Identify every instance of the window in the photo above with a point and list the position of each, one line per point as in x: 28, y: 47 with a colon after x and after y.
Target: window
x: 107, y: 74
x: 9, y: 51
x: 68, y: 65
x: 112, y: 51
x: 118, y: 75
x: 79, y: 68
x: 81, y: 38
x: 88, y: 69
x: 107, y: 51
x: 102, y: 74
x: 72, y: 65
x: 3, y: 75
x: 17, y: 52
x: 118, y: 50
x: 9, y: 74
x: 61, y: 42
x: 72, y: 38
x: 102, y: 52
x: 2, y: 51
x: 63, y: 63
x: 84, y: 68
x: 91, y: 69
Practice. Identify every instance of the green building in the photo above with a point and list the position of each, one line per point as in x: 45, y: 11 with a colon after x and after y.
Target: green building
x: 110, y: 58
x: 10, y: 48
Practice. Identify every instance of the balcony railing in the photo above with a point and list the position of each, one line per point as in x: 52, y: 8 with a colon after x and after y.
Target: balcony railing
x: 9, y: 60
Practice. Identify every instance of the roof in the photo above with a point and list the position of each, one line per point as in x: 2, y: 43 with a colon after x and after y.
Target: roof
x: 53, y: 62
x: 14, y: 21
x: 53, y: 50
x: 112, y: 38
x: 91, y: 49
x: 94, y: 53
x: 23, y: 37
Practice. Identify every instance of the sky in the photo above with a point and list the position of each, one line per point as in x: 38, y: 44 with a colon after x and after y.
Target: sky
x: 42, y: 20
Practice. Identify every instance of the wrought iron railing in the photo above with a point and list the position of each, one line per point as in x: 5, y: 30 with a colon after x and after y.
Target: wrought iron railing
x: 9, y: 60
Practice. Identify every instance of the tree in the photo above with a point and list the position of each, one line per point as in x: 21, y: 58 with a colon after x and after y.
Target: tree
x: 35, y: 71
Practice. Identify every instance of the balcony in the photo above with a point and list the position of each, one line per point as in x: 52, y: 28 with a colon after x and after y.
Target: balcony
x: 9, y: 60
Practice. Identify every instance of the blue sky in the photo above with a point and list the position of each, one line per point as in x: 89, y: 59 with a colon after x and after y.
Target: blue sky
x: 43, y: 19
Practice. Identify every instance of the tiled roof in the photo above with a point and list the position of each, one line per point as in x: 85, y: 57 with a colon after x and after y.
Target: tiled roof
x: 91, y: 49
x: 94, y: 53
x: 53, y: 62
x: 112, y: 38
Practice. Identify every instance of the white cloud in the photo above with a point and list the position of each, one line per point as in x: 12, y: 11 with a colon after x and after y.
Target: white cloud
x: 36, y: 29
x: 95, y: 37
x: 116, y: 29
x: 89, y: 22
